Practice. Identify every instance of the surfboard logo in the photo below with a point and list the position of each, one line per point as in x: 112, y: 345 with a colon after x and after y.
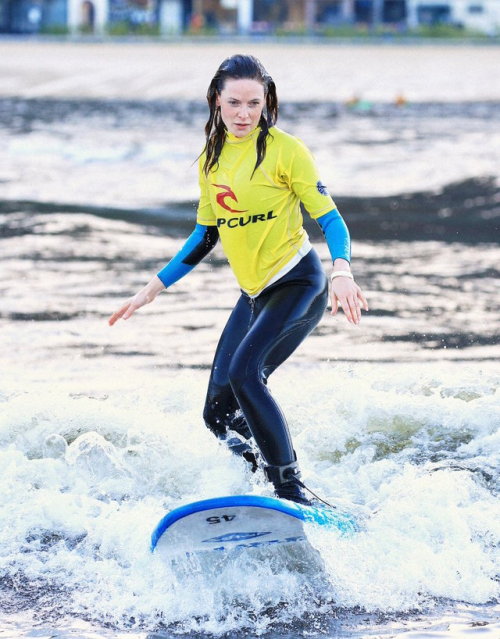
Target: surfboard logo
x: 236, y: 536
x: 223, y: 195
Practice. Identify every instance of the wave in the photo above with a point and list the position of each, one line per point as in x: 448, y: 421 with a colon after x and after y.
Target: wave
x: 467, y: 211
x: 21, y: 114
x: 411, y: 450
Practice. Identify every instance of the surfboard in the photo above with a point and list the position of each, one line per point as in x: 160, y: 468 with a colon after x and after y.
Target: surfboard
x: 242, y: 521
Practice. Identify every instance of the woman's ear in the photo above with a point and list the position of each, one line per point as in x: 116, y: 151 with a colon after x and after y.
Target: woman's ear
x: 217, y: 100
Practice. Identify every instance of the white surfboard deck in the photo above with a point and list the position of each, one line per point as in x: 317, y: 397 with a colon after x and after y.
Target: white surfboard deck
x: 241, y: 521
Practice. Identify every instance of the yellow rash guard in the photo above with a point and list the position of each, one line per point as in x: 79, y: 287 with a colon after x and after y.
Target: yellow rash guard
x: 259, y: 218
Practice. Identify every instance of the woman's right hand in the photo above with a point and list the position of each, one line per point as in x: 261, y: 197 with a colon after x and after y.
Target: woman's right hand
x: 143, y: 297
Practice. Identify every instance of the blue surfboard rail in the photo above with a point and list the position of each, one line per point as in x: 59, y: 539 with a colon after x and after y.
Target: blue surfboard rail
x: 319, y: 515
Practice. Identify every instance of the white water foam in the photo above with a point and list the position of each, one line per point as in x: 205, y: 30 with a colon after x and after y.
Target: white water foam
x: 86, y: 476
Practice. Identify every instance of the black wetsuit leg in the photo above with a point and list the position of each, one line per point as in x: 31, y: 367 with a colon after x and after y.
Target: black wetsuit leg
x: 260, y: 335
x: 222, y: 411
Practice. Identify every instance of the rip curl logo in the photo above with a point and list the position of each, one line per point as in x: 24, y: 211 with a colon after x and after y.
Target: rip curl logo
x: 322, y: 188
x: 233, y: 222
x: 227, y: 193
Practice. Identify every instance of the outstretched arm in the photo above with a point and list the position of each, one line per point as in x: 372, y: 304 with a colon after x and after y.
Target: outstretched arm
x: 336, y: 235
x: 343, y: 291
x: 197, y: 246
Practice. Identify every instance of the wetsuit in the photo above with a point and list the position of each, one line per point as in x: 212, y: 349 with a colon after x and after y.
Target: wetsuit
x: 284, y: 289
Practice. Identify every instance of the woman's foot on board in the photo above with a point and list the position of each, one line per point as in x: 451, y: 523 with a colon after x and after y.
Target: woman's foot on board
x: 287, y: 484
x: 293, y: 492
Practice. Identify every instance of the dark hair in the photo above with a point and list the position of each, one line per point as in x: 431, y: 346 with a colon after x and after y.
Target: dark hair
x: 237, y: 67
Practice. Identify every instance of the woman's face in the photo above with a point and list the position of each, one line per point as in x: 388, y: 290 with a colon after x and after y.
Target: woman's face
x: 241, y: 103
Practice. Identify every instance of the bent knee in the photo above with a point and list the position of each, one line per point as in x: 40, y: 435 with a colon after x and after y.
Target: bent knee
x: 242, y: 374
x: 236, y: 375
x: 213, y: 420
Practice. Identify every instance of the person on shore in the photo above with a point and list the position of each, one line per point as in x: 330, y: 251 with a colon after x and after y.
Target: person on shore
x: 253, y: 178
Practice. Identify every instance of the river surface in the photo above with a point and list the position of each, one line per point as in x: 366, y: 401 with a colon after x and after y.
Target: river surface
x: 101, y: 430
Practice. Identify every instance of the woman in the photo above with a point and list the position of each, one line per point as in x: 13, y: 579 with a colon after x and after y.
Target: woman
x: 253, y: 177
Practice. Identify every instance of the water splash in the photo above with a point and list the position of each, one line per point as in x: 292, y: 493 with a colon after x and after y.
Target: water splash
x: 85, y: 480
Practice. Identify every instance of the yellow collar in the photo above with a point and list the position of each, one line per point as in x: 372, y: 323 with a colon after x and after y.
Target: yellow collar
x: 233, y: 139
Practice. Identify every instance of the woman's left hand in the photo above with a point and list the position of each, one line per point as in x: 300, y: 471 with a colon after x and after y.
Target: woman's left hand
x: 346, y: 293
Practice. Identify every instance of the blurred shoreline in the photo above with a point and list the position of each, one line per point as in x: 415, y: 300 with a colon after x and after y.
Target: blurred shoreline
x: 303, y: 69
x: 357, y: 37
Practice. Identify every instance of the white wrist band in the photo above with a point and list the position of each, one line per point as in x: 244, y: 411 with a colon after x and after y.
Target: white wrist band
x: 341, y: 274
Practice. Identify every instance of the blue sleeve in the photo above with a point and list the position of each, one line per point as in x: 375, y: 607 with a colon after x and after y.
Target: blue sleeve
x: 336, y: 234
x: 197, y: 246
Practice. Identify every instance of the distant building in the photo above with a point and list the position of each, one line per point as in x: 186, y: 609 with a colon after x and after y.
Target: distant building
x: 174, y: 17
x: 477, y: 15
x: 32, y: 16
x: 88, y: 16
x: 267, y: 16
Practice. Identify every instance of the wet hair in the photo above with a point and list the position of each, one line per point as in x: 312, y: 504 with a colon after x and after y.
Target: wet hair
x: 235, y: 68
